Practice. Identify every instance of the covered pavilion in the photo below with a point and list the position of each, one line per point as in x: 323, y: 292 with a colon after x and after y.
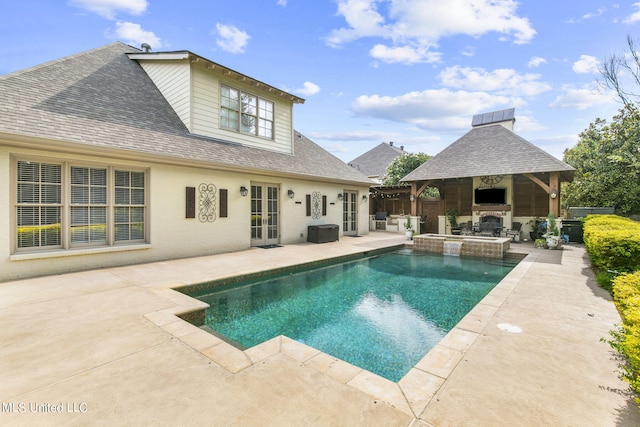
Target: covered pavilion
x: 490, y: 173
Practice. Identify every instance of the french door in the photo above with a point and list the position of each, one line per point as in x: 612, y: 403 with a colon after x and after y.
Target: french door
x: 265, y: 214
x: 350, y: 213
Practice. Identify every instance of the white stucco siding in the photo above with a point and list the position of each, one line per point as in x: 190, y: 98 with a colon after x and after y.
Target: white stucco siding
x: 173, y: 235
x: 169, y: 233
x: 295, y: 221
x: 206, y: 113
x: 5, y: 206
x: 173, y: 79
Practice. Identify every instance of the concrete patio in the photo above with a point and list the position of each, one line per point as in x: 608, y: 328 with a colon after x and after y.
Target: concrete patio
x: 104, y: 347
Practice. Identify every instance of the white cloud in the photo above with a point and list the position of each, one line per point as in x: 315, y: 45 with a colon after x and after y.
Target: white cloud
x: 282, y: 3
x: 536, y: 61
x: 581, y: 98
x: 109, y: 8
x: 414, y: 27
x: 504, y: 81
x: 231, y: 39
x: 429, y: 109
x: 404, y: 54
x: 526, y: 123
x: 308, y: 89
x: 134, y: 35
x: 634, y: 17
x: 363, y: 19
x: 600, y: 11
x: 586, y: 64
x: 356, y: 135
x: 469, y: 51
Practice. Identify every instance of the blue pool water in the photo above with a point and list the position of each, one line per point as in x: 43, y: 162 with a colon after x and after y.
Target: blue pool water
x: 382, y: 313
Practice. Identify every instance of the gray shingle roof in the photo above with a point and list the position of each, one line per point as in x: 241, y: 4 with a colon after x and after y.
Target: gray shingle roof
x: 375, y: 161
x: 101, y: 99
x: 488, y: 150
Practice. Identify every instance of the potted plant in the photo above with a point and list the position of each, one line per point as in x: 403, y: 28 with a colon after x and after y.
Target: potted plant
x: 408, y: 230
x: 452, y: 216
x: 540, y: 243
x: 552, y: 235
x: 538, y: 228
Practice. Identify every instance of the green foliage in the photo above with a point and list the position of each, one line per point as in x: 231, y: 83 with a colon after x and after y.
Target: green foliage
x: 607, y: 162
x: 626, y: 339
x: 612, y: 242
x: 402, y: 165
x: 452, y: 216
x: 552, y: 225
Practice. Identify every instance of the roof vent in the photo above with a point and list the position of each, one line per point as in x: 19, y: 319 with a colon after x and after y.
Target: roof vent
x: 146, y: 47
x: 391, y: 143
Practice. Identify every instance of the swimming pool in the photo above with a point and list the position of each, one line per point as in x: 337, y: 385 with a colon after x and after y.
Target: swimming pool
x: 382, y: 313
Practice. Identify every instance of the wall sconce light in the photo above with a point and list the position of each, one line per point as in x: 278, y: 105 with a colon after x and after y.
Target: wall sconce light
x: 243, y: 191
x: 340, y: 196
x: 553, y: 194
x: 412, y: 197
x: 291, y: 194
x: 364, y: 197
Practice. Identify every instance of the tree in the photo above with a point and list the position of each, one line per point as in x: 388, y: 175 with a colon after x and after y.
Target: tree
x: 401, y: 166
x: 620, y: 72
x: 607, y: 162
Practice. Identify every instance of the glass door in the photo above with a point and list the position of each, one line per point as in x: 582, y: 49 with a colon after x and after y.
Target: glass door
x: 265, y: 215
x: 350, y: 213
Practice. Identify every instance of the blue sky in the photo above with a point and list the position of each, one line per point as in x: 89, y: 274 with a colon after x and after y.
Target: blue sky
x: 371, y: 71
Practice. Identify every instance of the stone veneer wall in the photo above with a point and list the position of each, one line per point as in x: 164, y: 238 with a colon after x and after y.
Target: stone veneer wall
x: 486, y: 247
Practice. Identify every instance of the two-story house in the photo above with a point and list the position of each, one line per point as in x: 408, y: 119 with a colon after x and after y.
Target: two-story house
x: 118, y: 155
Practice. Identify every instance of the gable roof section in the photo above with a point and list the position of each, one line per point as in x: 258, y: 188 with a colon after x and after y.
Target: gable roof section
x: 488, y: 150
x: 375, y: 161
x: 100, y: 101
x: 214, y: 66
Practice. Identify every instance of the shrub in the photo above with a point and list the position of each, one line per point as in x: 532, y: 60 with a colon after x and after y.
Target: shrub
x: 612, y: 242
x: 626, y: 339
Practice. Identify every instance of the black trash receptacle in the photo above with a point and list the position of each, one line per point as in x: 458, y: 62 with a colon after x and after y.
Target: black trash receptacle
x: 322, y: 233
x: 572, y: 228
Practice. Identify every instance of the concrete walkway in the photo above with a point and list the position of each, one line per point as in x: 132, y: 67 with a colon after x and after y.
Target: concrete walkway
x: 104, y: 347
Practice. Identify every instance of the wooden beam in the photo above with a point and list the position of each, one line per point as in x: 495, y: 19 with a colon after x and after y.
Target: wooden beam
x: 538, y: 181
x: 422, y: 187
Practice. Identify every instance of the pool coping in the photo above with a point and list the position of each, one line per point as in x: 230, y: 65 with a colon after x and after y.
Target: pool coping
x: 410, y: 395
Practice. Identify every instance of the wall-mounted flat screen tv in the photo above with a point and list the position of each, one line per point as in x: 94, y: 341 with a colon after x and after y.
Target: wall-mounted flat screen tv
x: 490, y: 196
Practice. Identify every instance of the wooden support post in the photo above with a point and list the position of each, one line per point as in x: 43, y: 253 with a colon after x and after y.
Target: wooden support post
x: 414, y: 202
x: 554, y: 193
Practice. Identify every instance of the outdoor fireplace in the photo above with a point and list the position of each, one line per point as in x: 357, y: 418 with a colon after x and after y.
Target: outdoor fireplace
x: 491, y: 218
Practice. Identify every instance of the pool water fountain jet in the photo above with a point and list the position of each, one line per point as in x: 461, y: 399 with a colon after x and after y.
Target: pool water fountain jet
x: 452, y: 247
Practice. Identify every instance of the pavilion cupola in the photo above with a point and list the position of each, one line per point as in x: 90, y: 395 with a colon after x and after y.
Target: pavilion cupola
x: 505, y: 118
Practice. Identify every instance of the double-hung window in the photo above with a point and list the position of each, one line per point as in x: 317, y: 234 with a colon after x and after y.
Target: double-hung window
x: 245, y: 112
x: 88, y: 205
x: 64, y: 205
x: 39, y: 205
x: 129, y: 206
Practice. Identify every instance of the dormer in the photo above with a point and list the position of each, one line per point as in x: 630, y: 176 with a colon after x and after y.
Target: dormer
x: 216, y: 102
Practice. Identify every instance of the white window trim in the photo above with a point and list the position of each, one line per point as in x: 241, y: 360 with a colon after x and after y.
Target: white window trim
x: 257, y: 115
x: 66, y: 247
